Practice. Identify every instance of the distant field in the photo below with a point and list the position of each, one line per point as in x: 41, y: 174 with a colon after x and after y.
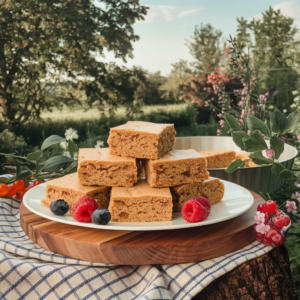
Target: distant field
x: 93, y: 113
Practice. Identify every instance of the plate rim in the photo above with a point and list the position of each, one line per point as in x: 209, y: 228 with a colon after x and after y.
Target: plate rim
x: 145, y: 228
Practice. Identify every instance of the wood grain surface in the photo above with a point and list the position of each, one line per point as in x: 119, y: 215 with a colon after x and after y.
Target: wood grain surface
x: 140, y: 247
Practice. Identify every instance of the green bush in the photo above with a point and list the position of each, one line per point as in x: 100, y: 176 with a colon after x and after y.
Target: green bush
x: 91, y: 131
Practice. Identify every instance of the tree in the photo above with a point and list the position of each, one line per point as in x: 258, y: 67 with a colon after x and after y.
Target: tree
x: 44, y: 44
x: 206, y: 49
x: 275, y: 52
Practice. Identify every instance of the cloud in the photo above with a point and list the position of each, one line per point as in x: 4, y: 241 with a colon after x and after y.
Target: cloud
x: 288, y: 8
x: 169, y: 13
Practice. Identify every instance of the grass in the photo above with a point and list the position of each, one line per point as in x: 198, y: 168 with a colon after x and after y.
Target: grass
x: 78, y: 113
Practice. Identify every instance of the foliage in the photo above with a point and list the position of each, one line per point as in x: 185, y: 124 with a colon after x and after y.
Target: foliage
x: 205, y: 48
x: 275, y: 53
x: 44, y: 44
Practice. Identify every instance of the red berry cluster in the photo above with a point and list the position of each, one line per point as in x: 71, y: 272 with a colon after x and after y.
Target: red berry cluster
x: 196, y: 209
x: 269, y: 224
x: 16, y: 189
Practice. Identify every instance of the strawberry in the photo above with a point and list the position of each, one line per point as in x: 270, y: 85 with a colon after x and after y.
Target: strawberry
x: 82, y: 210
x: 193, y: 211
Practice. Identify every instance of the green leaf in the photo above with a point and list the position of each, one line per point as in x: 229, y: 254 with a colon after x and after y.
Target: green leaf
x: 256, y: 124
x: 278, y: 122
x: 25, y: 172
x: 34, y: 156
x: 56, y: 163
x: 277, y: 145
x: 263, y: 196
x: 56, y: 175
x: 72, y: 147
x: 39, y: 178
x: 258, y: 158
x: 72, y: 168
x: 17, y: 164
x: 255, y: 142
x: 277, y: 168
x: 51, y: 140
x: 287, y: 175
x: 235, y: 164
x: 239, y: 137
x: 232, y: 122
x: 292, y: 122
x: 4, y: 180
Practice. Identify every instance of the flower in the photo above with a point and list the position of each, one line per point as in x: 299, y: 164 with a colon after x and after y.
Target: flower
x: 296, y: 99
x: 64, y: 145
x: 295, y: 92
x: 71, y: 134
x: 219, y: 132
x: 75, y: 156
x: 268, y: 153
x: 67, y: 153
x: 99, y: 144
x: 293, y: 105
x: 263, y: 228
x: 284, y: 110
x: 262, y: 97
x: 222, y: 123
x: 296, y: 196
x: 248, y: 131
x: 259, y: 217
x: 297, y: 184
x: 291, y: 206
x: 298, y: 138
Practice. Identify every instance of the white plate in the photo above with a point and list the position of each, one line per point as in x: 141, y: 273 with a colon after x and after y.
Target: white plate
x: 236, y: 201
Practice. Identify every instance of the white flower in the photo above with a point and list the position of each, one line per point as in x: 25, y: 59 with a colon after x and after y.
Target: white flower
x: 99, y: 144
x: 284, y: 110
x: 295, y: 92
x: 296, y: 99
x: 271, y: 107
x: 71, y: 134
x: 294, y: 106
x: 64, y: 145
x: 67, y: 153
x: 75, y: 156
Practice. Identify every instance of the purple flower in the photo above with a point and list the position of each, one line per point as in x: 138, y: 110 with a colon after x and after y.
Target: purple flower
x: 291, y: 207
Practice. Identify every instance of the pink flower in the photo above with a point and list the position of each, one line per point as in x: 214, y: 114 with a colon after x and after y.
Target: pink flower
x: 262, y: 97
x: 298, y: 138
x: 222, y: 123
x: 219, y: 132
x: 297, y: 184
x: 268, y: 153
x: 291, y: 207
x: 263, y: 228
x: 249, y: 131
x: 296, y: 196
x: 259, y: 217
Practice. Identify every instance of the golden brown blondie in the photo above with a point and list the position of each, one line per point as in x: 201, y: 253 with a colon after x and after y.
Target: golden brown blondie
x: 218, y: 158
x: 97, y: 167
x: 141, y: 139
x: 140, y: 203
x: 212, y: 189
x: 175, y: 168
x: 68, y: 188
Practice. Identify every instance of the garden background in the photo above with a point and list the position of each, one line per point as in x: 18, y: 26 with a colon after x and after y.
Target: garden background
x: 56, y: 74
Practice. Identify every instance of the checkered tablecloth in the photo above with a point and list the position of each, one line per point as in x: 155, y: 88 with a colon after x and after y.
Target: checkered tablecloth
x: 28, y: 271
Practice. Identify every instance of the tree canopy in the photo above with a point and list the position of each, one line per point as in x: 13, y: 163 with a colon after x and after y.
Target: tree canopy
x: 47, y: 44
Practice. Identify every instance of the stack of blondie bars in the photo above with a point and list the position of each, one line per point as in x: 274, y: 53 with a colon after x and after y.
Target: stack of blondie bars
x: 110, y: 175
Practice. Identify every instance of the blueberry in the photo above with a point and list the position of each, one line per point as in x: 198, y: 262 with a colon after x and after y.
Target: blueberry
x: 101, y: 216
x: 59, y: 207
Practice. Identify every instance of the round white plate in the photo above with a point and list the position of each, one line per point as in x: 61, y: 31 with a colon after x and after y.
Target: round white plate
x: 236, y: 201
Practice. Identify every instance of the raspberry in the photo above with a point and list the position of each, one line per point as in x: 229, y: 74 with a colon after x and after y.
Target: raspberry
x: 268, y: 237
x: 281, y: 242
x: 276, y: 238
x: 279, y: 222
x: 204, y: 202
x: 82, y: 210
x: 270, y: 206
x: 261, y: 208
x: 287, y: 220
x: 279, y: 213
x: 193, y: 211
x: 259, y: 237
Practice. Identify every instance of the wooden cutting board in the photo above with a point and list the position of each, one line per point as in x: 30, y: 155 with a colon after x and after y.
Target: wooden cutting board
x: 141, y: 247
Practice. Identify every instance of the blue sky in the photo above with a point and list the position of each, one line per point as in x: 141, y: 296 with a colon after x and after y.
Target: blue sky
x: 169, y: 23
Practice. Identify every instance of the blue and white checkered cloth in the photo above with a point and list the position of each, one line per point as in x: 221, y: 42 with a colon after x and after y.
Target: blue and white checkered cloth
x: 28, y: 271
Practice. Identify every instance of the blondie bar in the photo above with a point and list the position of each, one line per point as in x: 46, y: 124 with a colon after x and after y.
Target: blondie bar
x: 218, y: 158
x: 141, y: 139
x: 97, y: 167
x: 175, y: 168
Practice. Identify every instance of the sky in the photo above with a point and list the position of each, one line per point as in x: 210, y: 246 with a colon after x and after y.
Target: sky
x: 170, y: 22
